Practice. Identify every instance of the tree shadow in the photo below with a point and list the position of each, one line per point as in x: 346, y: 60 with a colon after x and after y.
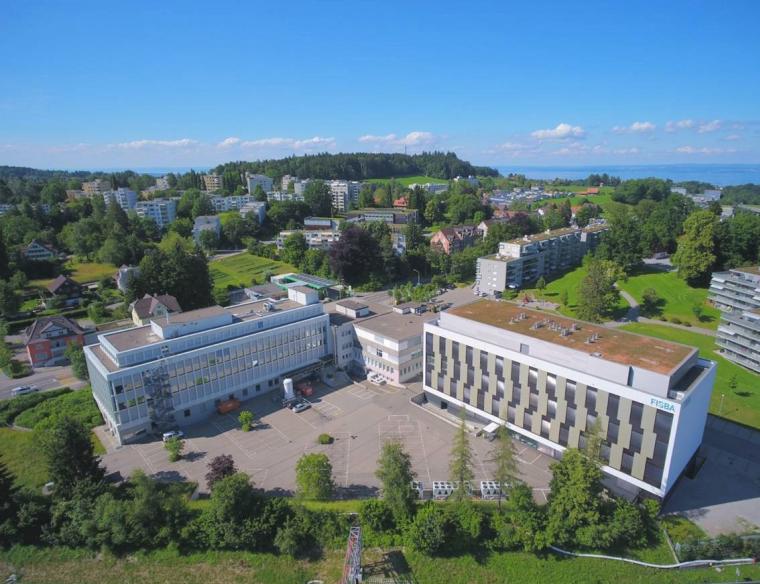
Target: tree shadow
x: 392, y: 565
x: 193, y: 456
x: 168, y: 476
x: 743, y: 393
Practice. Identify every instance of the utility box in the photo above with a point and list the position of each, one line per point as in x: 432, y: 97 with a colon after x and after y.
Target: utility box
x: 419, y: 488
x: 228, y: 406
x: 490, y: 489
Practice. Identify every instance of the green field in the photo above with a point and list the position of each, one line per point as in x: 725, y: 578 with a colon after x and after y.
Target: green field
x: 678, y: 297
x: 409, y: 180
x: 242, y: 269
x: 39, y: 565
x: 82, y: 272
x: 19, y: 452
x: 741, y: 404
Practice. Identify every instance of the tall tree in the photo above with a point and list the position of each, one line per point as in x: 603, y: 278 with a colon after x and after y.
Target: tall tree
x: 598, y: 297
x: 317, y: 196
x: 356, y: 256
x: 220, y: 467
x: 75, y: 354
x: 394, y: 469
x: 70, y: 455
x: 294, y: 248
x: 460, y: 465
x: 695, y: 256
x: 314, y: 477
x: 8, y: 507
x: 622, y: 242
x: 504, y: 460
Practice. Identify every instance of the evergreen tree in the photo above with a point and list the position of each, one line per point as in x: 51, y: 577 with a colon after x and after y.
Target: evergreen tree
x: 70, y: 455
x: 504, y: 459
x: 460, y: 465
x: 597, y: 296
x: 394, y: 469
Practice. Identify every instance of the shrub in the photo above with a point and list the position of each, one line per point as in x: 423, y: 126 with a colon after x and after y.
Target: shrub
x: 686, y: 323
x: 220, y: 467
x: 174, y: 447
x: 11, y: 408
x: 675, y: 320
x: 246, y: 419
x: 376, y: 515
x: 325, y: 439
x: 427, y: 533
x: 78, y: 405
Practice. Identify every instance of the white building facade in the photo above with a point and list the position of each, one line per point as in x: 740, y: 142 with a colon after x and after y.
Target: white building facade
x: 162, y: 211
x: 258, y: 180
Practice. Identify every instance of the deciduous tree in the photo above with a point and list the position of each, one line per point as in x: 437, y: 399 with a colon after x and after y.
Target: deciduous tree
x: 394, y: 469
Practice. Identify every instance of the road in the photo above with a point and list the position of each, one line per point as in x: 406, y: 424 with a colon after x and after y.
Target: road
x: 45, y: 379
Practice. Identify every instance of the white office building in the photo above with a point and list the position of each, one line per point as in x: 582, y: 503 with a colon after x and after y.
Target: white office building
x: 344, y: 193
x: 162, y: 211
x: 258, y: 180
x: 175, y: 370
x: 552, y: 379
x: 125, y: 198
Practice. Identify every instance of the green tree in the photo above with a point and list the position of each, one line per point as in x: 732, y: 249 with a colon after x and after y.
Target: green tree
x: 564, y: 297
x: 70, y: 455
x: 246, y: 419
x: 75, y: 354
x: 220, y: 467
x: 9, y: 300
x: 695, y: 256
x: 294, y: 248
x: 427, y: 533
x: 394, y: 469
x: 697, y: 310
x: 366, y: 197
x: 227, y: 520
x: 622, y: 242
x: 541, y: 285
x: 460, y: 464
x: 650, y: 302
x: 314, y: 477
x: 8, y: 507
x: 174, y: 446
x: 504, y: 460
x: 597, y: 295
x: 317, y: 196
x: 209, y: 240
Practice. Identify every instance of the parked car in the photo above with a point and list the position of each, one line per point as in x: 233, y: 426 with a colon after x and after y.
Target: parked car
x: 300, y: 407
x: 166, y: 436
x: 23, y: 390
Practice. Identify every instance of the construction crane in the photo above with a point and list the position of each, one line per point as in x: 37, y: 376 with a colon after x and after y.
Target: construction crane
x: 352, y: 567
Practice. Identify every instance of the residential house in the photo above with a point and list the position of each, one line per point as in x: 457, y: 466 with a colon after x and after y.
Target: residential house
x: 47, y: 338
x: 37, y: 251
x: 453, y: 239
x: 400, y: 203
x: 96, y: 187
x: 149, y: 307
x: 65, y: 289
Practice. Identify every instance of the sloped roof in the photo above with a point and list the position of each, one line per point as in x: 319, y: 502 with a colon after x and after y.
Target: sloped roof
x: 39, y: 326
x: 60, y: 281
x: 147, y: 305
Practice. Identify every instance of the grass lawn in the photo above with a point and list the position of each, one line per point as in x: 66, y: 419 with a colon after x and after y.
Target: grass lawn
x: 38, y: 565
x: 409, y: 180
x: 571, y: 282
x: 743, y: 403
x: 82, y: 272
x: 677, y: 296
x: 243, y: 268
x: 23, y: 458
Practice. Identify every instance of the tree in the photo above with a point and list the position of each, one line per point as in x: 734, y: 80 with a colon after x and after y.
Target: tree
x: 294, y: 248
x: 220, y: 467
x: 695, y: 256
x: 314, y: 477
x: 650, y: 302
x: 209, y: 240
x: 75, y: 354
x: 521, y: 526
x: 597, y: 295
x: 355, y: 256
x: 8, y: 507
x: 70, y: 455
x: 227, y: 520
x: 697, y: 310
x: 246, y: 419
x: 317, y: 196
x: 575, y: 502
x: 394, y: 469
x: 541, y: 285
x: 622, y: 242
x: 632, y: 191
x: 9, y: 300
x: 564, y: 297
x: 427, y: 533
x: 174, y: 446
x: 460, y: 465
x: 504, y: 459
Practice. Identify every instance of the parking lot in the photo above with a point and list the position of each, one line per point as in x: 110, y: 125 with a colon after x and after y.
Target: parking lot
x: 359, y: 416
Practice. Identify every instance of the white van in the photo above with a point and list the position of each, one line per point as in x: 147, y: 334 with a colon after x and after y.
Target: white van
x: 23, y: 390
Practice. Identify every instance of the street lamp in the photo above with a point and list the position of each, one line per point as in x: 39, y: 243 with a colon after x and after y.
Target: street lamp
x: 418, y: 275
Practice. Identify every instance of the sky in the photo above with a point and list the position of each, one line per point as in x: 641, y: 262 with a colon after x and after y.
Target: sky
x: 137, y: 84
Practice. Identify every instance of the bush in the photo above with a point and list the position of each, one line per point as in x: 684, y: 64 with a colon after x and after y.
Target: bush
x: 246, y: 420
x: 174, y: 446
x: 675, y: 320
x: 17, y: 369
x: 11, y: 408
x: 325, y: 439
x: 427, y: 533
x: 376, y: 515
x: 78, y: 405
x: 686, y: 323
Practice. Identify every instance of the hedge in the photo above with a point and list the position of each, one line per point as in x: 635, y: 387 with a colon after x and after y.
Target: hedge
x: 11, y: 408
x: 78, y: 405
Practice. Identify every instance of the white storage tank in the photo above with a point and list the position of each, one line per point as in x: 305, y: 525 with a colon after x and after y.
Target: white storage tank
x: 287, y: 384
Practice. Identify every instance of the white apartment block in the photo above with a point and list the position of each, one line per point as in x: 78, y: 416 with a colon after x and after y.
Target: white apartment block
x: 125, y: 198
x: 175, y: 370
x: 286, y: 180
x: 231, y: 203
x: 315, y: 238
x: 162, y: 211
x: 344, y: 193
x: 212, y: 183
x: 280, y: 196
x: 552, y: 380
x: 299, y: 186
x: 258, y: 180
x: 257, y: 208
x: 162, y: 184
x: 96, y: 187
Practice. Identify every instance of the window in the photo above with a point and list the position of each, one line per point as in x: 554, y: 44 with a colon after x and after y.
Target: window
x: 524, y: 349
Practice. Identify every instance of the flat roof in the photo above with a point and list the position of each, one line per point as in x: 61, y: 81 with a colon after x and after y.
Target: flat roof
x: 612, y: 344
x: 394, y: 325
x: 352, y: 304
x: 303, y: 289
x: 754, y: 270
x: 544, y: 235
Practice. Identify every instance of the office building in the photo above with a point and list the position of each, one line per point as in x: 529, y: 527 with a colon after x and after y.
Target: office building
x: 526, y: 259
x: 258, y: 180
x: 552, y: 380
x: 736, y: 294
x: 176, y: 370
x: 344, y: 193
x: 96, y: 187
x: 212, y: 183
x: 125, y: 198
x: 162, y: 211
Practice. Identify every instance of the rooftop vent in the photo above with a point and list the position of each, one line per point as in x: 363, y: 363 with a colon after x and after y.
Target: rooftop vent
x: 596, y: 354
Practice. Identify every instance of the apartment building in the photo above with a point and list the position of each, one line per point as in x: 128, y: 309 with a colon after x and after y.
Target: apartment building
x: 316, y: 238
x: 175, y: 370
x: 344, y: 193
x: 162, y: 184
x: 552, y: 380
x: 258, y: 180
x: 162, y: 211
x: 125, y: 276
x: 737, y: 294
x: 434, y: 188
x: 526, y: 259
x: 96, y: 187
x: 387, y: 215
x: 212, y: 183
x: 125, y: 198
x: 286, y: 180
x: 299, y: 186
x: 203, y: 223
x: 256, y: 208
x: 237, y: 202
x: 280, y: 196
x: 37, y: 251
x: 453, y: 239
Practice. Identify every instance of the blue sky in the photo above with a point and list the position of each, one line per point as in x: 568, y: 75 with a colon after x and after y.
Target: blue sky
x: 148, y: 84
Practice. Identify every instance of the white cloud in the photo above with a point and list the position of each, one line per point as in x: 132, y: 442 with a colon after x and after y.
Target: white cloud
x: 415, y: 138
x: 703, y: 150
x: 141, y: 144
x: 560, y: 132
x: 674, y: 126
x: 635, y: 128
x: 514, y: 149
x: 626, y: 151
x: 732, y: 137
x: 706, y: 127
x: 315, y: 143
x: 229, y: 142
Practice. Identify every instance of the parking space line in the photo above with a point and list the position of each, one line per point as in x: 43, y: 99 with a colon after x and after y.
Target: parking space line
x: 147, y: 462
x: 348, y: 457
x: 424, y: 452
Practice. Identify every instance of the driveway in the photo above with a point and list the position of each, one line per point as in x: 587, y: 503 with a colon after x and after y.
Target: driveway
x: 45, y: 378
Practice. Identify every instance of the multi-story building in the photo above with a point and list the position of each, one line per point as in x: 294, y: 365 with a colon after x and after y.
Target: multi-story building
x: 258, y: 180
x: 162, y: 184
x: 470, y: 180
x: 206, y: 223
x: 280, y: 196
x: 434, y: 188
x: 162, y: 211
x: 125, y: 198
x: 256, y: 208
x: 299, y: 186
x: 737, y: 294
x: 96, y: 187
x: 452, y: 239
x: 47, y: 338
x: 526, y: 259
x: 175, y: 370
x: 316, y: 238
x: 39, y: 252
x: 345, y: 193
x: 553, y: 380
x: 394, y: 216
x: 231, y: 203
x: 212, y: 183
x: 286, y: 180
